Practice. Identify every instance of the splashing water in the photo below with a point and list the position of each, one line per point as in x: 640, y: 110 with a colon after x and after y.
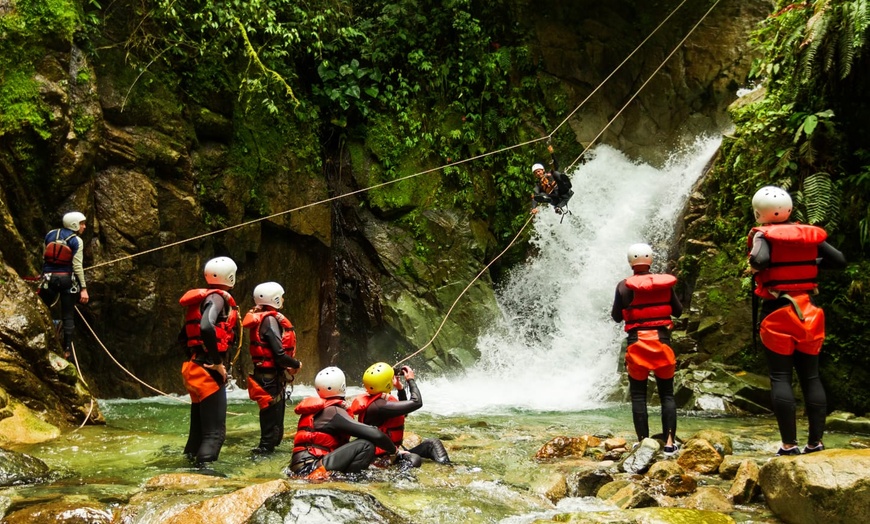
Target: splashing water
x: 556, y: 347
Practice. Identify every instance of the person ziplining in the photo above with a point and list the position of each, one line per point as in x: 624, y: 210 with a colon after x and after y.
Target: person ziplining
x: 553, y: 187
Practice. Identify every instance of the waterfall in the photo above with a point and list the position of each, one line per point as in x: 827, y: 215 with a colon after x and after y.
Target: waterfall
x: 555, y: 347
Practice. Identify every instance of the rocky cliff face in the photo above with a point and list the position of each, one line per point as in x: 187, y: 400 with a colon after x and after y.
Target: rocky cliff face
x: 166, y: 185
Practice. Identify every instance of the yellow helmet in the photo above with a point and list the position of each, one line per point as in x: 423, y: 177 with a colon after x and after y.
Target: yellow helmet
x: 378, y: 378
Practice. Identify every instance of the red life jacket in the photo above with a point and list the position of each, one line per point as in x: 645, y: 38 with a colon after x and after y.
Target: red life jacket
x: 793, y: 252
x: 651, y: 305
x: 58, y: 252
x: 393, y: 427
x: 227, y: 320
x: 307, y: 438
x: 261, y: 354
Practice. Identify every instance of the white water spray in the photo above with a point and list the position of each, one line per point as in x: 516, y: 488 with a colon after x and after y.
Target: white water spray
x: 556, y: 347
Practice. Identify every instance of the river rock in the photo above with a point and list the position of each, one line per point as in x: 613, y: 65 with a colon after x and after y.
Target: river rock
x: 700, y: 456
x: 847, y: 423
x: 831, y: 486
x: 720, y: 441
x: 633, y: 496
x: 563, y: 447
x: 708, y: 498
x: 645, y: 516
x: 729, y: 465
x: 641, y: 457
x: 585, y: 481
x: 324, y: 505
x: 717, y: 388
x: 608, y: 490
x: 62, y: 511
x: 745, y: 485
x: 679, y: 485
x: 664, y: 469
x: 18, y: 468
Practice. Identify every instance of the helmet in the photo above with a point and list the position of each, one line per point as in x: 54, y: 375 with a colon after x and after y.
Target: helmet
x: 639, y: 255
x: 536, y: 167
x: 72, y: 220
x: 269, y: 294
x: 330, y: 382
x: 221, y: 271
x: 378, y: 378
x: 771, y: 205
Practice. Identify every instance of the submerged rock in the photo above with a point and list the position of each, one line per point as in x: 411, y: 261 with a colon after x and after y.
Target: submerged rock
x: 324, y: 505
x: 18, y: 468
x: 646, y: 516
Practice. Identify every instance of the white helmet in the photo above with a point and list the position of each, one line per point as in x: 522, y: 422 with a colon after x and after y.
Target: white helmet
x: 269, y: 294
x: 771, y: 205
x: 220, y: 271
x: 535, y: 167
x: 639, y: 254
x: 72, y: 220
x: 330, y: 382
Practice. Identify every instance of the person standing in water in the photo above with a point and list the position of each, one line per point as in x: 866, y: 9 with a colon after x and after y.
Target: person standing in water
x: 785, y: 258
x: 377, y: 407
x: 273, y: 351
x: 646, y: 302
x: 210, y: 329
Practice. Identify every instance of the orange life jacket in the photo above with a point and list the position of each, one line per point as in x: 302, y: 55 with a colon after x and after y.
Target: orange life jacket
x: 318, y: 443
x: 793, y: 252
x: 548, y: 183
x: 227, y: 321
x: 651, y: 305
x: 393, y: 427
x: 58, y: 252
x: 261, y: 354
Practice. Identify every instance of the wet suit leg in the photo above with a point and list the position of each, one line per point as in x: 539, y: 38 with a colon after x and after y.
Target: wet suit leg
x: 433, y: 449
x: 637, y: 390
x: 353, y: 457
x: 669, y: 406
x: 807, y: 367
x: 59, y: 285
x: 780, y: 370
x: 194, y: 434
x: 271, y: 418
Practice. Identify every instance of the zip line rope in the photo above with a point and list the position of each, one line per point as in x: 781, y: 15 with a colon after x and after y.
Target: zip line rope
x: 414, y: 175
x: 636, y: 93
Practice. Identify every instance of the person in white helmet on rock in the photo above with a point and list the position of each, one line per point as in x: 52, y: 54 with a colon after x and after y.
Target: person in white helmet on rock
x: 211, y: 325
x: 272, y: 344
x: 552, y: 187
x: 322, y: 443
x: 63, y: 273
x: 646, y: 302
x: 785, y: 258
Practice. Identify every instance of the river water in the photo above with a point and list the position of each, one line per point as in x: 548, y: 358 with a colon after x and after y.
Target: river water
x: 547, y: 368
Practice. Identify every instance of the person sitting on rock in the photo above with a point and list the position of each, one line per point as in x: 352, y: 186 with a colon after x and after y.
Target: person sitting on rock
x: 646, y: 302
x: 322, y: 443
x: 379, y: 408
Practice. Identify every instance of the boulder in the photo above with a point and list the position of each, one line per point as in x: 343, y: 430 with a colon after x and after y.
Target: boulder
x: 720, y: 441
x: 745, y: 485
x: 19, y: 468
x: 562, y: 447
x: 641, y: 457
x: 585, y: 481
x: 700, y: 456
x: 830, y: 486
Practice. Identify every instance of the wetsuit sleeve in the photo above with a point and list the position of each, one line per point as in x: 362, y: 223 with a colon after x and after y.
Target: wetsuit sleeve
x: 563, y: 181
x: 831, y: 257
x: 212, y: 307
x: 270, y: 332
x: 78, y: 262
x: 759, y: 256
x: 555, y: 162
x: 342, y: 423
x: 618, y: 304
x: 392, y: 409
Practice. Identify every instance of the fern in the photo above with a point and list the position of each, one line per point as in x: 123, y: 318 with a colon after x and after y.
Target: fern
x: 821, y: 199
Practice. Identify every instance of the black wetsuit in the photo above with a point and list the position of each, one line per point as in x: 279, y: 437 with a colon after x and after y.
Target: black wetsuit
x: 638, y: 388
x: 60, y: 282
x: 352, y: 457
x: 208, y: 418
x: 272, y: 381
x: 807, y: 366
x: 382, y: 410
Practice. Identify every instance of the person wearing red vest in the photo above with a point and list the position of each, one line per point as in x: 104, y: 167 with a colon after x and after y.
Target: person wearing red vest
x: 273, y: 352
x: 377, y: 407
x: 322, y: 443
x: 646, y: 302
x: 63, y: 274
x: 785, y: 258
x: 210, y: 329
